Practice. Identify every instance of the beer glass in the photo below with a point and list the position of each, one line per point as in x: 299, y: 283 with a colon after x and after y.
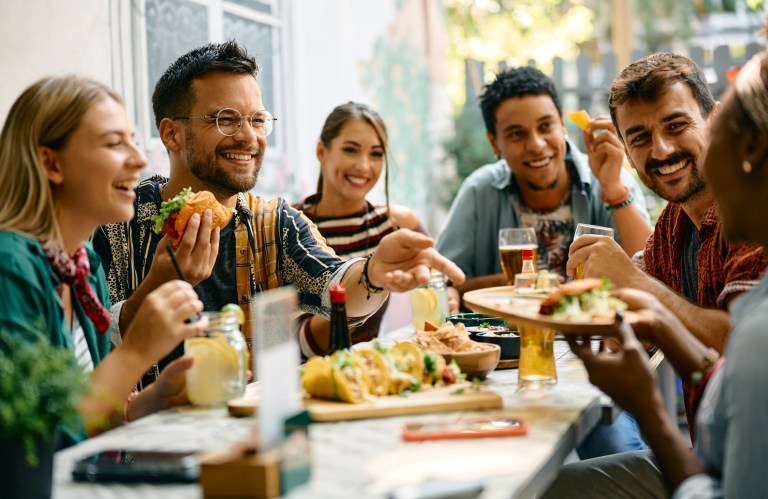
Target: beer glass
x: 537, y: 356
x: 583, y: 229
x: 512, y: 242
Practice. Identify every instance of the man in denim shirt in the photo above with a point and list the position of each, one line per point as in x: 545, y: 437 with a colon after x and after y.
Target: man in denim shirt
x: 541, y: 180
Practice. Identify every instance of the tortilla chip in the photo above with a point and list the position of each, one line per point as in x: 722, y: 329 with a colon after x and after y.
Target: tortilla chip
x: 580, y: 118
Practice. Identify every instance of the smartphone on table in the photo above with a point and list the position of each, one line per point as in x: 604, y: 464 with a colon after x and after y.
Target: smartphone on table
x: 122, y: 465
x: 416, y: 431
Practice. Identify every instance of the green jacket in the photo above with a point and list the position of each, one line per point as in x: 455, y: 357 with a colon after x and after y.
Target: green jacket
x: 30, y: 305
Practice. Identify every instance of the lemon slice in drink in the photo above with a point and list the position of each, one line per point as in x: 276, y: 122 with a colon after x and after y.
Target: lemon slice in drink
x: 424, y: 306
x: 214, y: 351
x: 215, y: 361
x: 233, y: 309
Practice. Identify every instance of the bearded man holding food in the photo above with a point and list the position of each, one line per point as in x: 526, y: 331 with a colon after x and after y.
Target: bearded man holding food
x: 211, y: 119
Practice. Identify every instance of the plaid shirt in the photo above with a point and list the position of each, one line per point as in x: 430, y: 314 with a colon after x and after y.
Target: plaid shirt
x: 725, y: 269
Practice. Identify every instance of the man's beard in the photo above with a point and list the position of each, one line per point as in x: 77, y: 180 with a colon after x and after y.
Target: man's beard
x: 206, y: 167
x: 695, y: 181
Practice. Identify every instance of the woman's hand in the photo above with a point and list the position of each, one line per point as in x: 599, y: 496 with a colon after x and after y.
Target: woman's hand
x: 403, y: 261
x: 159, y: 324
x: 169, y: 390
x: 625, y: 375
x: 650, y: 318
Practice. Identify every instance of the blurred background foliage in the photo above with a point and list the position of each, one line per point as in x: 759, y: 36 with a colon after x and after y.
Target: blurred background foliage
x: 499, y: 33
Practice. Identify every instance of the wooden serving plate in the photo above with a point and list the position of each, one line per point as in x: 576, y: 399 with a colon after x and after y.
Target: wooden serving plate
x: 523, y: 309
x: 458, y: 397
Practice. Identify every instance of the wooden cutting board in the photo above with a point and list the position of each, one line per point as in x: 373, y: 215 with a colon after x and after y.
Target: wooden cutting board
x: 458, y: 397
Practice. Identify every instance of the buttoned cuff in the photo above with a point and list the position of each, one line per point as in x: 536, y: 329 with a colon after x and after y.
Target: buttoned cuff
x: 114, y: 323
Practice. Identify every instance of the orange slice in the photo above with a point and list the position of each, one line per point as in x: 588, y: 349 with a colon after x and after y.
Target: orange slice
x: 581, y: 118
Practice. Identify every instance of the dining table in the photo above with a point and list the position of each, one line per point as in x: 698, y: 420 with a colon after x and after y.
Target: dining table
x: 368, y: 458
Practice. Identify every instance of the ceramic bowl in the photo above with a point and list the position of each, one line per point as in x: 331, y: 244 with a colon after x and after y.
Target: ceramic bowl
x: 508, y: 341
x: 476, y: 363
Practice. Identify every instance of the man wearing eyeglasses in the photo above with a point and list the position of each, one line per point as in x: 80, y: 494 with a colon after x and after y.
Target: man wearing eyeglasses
x: 212, y: 121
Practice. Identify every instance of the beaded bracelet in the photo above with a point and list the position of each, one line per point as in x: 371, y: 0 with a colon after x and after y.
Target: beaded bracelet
x: 615, y: 204
x: 626, y: 202
x: 366, y: 281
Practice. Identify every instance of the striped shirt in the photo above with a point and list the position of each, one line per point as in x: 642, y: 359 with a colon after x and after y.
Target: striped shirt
x: 355, y: 235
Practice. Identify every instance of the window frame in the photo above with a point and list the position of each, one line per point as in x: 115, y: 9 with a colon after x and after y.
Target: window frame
x: 131, y: 68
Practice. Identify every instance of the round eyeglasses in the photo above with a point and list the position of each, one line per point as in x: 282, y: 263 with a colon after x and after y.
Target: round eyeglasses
x: 229, y: 121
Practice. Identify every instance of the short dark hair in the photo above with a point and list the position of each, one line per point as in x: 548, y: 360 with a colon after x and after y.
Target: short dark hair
x: 646, y: 79
x: 173, y: 95
x: 512, y: 83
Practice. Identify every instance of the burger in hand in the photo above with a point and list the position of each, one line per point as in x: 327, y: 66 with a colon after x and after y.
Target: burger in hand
x: 176, y: 212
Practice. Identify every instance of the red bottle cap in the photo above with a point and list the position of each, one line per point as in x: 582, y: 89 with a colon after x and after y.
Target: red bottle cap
x: 528, y: 254
x: 338, y: 293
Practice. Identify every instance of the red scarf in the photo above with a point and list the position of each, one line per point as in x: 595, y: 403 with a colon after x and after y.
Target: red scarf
x: 74, y: 272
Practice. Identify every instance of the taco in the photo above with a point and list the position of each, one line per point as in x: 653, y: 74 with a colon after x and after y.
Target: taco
x: 434, y: 365
x: 399, y: 380
x: 377, y: 370
x: 351, y: 377
x: 582, y: 300
x: 338, y: 377
x: 317, y: 378
x: 408, y: 358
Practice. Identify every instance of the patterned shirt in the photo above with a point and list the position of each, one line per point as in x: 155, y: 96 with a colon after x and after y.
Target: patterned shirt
x: 351, y: 236
x: 724, y: 269
x: 554, y: 230
x: 301, y: 256
x: 489, y: 198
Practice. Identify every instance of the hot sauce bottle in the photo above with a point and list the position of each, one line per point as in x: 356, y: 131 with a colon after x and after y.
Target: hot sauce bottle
x: 528, y: 265
x: 339, y: 334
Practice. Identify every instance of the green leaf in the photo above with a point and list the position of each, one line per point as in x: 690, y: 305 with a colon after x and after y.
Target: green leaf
x: 168, y: 208
x: 40, y: 386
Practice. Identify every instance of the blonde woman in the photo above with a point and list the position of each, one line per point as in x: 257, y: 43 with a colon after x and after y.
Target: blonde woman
x: 68, y: 163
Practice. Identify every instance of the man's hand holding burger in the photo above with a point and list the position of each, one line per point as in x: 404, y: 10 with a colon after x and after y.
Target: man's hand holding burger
x: 191, y: 224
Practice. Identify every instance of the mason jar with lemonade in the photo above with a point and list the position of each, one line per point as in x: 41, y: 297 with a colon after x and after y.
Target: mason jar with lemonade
x: 219, y: 371
x: 429, y: 302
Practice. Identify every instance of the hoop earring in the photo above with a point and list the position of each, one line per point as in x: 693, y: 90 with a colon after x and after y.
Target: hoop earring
x: 746, y: 167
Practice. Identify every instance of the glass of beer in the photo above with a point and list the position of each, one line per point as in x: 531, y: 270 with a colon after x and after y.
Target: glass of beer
x: 512, y: 242
x: 537, y: 356
x: 583, y: 229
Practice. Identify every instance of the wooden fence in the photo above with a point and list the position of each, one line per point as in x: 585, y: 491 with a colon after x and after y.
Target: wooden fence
x: 588, y: 87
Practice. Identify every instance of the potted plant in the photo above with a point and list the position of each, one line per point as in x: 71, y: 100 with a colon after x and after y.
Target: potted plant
x: 40, y: 388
